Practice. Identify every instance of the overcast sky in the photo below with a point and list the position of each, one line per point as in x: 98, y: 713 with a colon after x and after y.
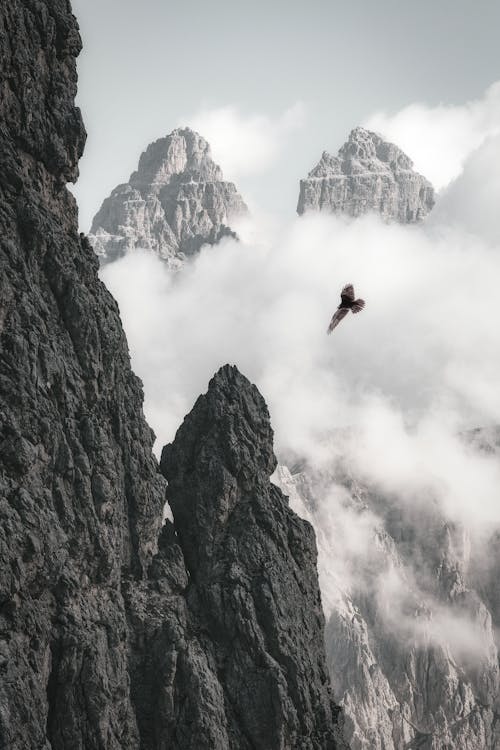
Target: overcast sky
x: 305, y: 73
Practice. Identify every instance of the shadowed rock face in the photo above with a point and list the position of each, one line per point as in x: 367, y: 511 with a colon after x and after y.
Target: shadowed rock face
x: 80, y: 496
x: 368, y: 175
x: 108, y: 639
x: 252, y: 566
x: 415, y: 666
x: 175, y: 202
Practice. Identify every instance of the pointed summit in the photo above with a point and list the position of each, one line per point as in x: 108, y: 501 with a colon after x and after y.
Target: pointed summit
x: 183, y: 152
x: 368, y: 175
x: 252, y: 572
x: 174, y: 203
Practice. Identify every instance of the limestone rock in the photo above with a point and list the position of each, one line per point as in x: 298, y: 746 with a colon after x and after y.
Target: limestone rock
x: 175, y: 202
x: 80, y: 495
x: 252, y: 567
x: 412, y: 636
x: 368, y: 175
x: 105, y: 640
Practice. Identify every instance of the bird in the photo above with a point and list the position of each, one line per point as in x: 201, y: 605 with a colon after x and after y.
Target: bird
x: 347, y: 303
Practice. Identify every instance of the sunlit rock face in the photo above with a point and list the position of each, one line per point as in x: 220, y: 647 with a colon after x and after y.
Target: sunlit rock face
x: 174, y: 203
x: 413, y: 613
x: 368, y: 175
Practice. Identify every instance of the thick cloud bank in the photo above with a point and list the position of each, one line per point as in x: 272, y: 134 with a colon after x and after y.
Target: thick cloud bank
x: 393, y: 390
x: 427, y: 342
x: 440, y: 139
x: 246, y: 144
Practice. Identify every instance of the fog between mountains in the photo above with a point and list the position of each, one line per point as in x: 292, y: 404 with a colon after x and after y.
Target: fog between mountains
x: 407, y: 376
x: 440, y: 139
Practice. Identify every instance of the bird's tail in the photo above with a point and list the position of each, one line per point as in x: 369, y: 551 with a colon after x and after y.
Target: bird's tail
x: 358, y: 305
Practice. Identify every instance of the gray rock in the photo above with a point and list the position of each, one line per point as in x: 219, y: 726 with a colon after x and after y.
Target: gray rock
x: 80, y: 494
x: 176, y: 202
x: 108, y: 640
x: 399, y: 689
x: 252, y: 569
x: 368, y: 175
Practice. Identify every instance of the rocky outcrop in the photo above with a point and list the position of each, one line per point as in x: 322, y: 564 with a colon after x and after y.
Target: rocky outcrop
x: 368, y: 175
x: 412, y: 624
x: 176, y: 202
x: 80, y: 495
x: 110, y: 633
x: 252, y: 571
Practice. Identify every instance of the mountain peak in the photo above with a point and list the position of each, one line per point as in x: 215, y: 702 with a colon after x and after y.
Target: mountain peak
x: 183, y: 151
x: 174, y: 203
x: 368, y: 174
x: 252, y: 567
x: 366, y: 146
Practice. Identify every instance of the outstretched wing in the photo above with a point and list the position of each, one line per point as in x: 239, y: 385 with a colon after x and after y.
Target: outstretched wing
x: 337, y: 317
x: 358, y: 305
x: 347, y: 294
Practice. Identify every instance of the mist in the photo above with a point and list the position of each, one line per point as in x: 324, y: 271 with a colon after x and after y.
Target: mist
x: 390, y: 394
x: 440, y: 139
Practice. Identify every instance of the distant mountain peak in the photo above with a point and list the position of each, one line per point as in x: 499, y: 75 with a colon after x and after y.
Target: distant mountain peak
x: 175, y: 202
x: 368, y: 174
x: 183, y: 151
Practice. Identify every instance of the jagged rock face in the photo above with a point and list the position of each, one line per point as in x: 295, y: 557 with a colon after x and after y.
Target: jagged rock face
x: 252, y: 567
x: 175, y: 202
x: 368, y: 175
x: 104, y: 640
x: 80, y: 496
x: 405, y: 673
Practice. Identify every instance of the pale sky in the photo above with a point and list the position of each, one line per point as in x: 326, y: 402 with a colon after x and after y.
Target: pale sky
x: 148, y: 67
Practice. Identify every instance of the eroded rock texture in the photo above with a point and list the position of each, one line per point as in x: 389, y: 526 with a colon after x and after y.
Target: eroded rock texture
x: 108, y: 639
x: 368, y: 175
x: 413, y: 621
x: 80, y: 496
x: 252, y: 567
x: 176, y: 202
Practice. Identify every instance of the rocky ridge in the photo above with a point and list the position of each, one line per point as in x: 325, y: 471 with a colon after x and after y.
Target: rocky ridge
x: 412, y: 632
x: 174, y: 203
x: 252, y: 569
x: 368, y: 175
x: 111, y: 634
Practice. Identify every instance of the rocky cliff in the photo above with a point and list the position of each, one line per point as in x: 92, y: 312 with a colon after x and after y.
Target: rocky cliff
x: 116, y: 632
x: 174, y: 203
x: 413, y: 622
x: 367, y: 175
x: 253, y: 592
x: 80, y: 495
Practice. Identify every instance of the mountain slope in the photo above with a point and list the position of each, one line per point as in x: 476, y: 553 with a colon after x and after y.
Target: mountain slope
x: 412, y: 624
x: 106, y: 640
x: 368, y: 175
x: 174, y: 203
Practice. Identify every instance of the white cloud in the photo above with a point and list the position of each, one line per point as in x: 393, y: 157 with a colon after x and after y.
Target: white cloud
x: 419, y: 361
x: 471, y: 202
x: 440, y: 139
x: 406, y: 377
x: 246, y: 144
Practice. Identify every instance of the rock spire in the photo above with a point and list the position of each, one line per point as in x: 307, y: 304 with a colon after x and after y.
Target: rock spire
x: 368, y: 175
x: 174, y: 203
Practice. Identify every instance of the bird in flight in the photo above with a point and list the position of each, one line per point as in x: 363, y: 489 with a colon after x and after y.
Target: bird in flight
x: 347, y: 303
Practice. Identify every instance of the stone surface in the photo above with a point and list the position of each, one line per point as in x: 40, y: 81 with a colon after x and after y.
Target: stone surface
x: 368, y: 175
x: 106, y: 640
x: 175, y: 202
x: 80, y: 494
x: 405, y: 671
x: 252, y: 569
